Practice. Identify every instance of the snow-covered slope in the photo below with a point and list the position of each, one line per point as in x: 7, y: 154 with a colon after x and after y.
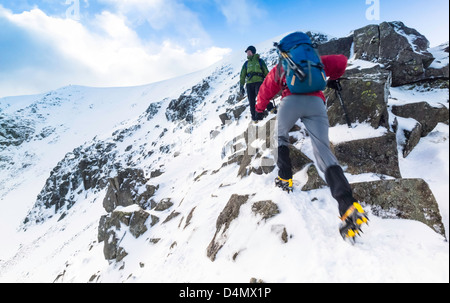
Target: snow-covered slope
x: 129, y: 126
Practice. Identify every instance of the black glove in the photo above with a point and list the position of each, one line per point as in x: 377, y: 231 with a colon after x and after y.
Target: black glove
x: 334, y: 84
x: 259, y: 116
x: 242, y: 90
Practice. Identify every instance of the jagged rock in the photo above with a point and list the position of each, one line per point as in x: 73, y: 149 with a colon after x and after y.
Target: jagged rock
x: 267, y: 209
x: 427, y: 115
x: 412, y: 139
x: 365, y: 95
x: 225, y: 118
x: 403, y: 199
x: 228, y: 214
x: 298, y: 159
x: 163, y: 204
x: 237, y: 111
x: 172, y: 215
x: 389, y: 44
x: 245, y: 158
x: 317, y: 38
x: 14, y: 131
x: 184, y: 107
x: 124, y: 190
x: 137, y: 223
x: 111, y: 231
x: 84, y: 168
x: 189, y: 217
x: 336, y: 46
x: 314, y: 180
x: 373, y: 155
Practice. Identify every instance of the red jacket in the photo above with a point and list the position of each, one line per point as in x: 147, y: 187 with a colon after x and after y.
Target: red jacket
x: 335, y: 66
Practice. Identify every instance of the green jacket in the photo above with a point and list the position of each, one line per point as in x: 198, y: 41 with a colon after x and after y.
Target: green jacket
x: 254, y: 70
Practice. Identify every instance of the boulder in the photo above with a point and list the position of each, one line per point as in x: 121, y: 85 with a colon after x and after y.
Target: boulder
x: 373, y: 155
x: 266, y: 209
x: 228, y: 214
x: 124, y: 190
x: 365, y: 96
x: 314, y: 179
x: 428, y: 116
x: 401, y: 49
x: 113, y: 227
x: 341, y: 46
x: 401, y: 199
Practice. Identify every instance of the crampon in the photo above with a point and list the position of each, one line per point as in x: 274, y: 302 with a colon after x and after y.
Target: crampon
x: 286, y: 185
x: 352, y: 221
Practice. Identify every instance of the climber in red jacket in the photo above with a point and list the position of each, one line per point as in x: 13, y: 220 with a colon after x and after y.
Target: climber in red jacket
x: 311, y: 109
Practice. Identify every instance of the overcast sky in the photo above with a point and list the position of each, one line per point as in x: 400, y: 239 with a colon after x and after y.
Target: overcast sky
x: 48, y: 44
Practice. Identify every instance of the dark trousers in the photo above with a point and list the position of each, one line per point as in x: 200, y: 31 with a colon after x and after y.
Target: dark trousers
x: 252, y: 93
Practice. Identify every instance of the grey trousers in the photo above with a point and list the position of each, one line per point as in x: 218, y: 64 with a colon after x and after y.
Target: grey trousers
x: 313, y: 113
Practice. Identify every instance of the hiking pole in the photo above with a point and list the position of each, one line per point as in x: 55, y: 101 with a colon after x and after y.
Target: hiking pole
x: 338, y: 93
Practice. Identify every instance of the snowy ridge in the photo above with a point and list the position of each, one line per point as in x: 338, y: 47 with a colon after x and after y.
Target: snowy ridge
x: 116, y: 128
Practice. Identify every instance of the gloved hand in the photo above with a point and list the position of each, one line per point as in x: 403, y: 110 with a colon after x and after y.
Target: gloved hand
x: 242, y: 90
x: 259, y: 116
x: 334, y: 84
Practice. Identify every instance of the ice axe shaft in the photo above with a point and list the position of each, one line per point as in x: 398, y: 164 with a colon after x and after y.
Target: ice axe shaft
x: 338, y: 93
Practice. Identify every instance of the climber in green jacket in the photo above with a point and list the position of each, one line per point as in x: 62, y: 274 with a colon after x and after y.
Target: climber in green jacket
x: 253, y: 72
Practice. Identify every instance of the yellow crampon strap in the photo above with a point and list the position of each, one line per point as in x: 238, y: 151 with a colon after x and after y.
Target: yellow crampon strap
x: 291, y: 183
x: 351, y: 209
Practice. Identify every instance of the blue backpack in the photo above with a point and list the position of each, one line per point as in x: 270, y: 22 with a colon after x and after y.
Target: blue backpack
x: 304, y: 69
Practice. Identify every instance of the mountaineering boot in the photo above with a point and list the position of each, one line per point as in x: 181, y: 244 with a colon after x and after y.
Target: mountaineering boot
x: 352, y: 220
x: 286, y: 185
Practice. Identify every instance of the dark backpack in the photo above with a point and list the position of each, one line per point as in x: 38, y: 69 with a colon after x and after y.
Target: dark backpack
x: 304, y: 69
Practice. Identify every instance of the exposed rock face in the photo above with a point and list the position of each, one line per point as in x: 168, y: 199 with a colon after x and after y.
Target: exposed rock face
x: 401, y: 199
x: 15, y: 131
x: 184, y: 107
x: 365, y: 96
x: 377, y: 155
x: 125, y: 190
x: 228, y: 214
x: 426, y: 115
x: 113, y: 227
x: 402, y: 49
x: 337, y: 46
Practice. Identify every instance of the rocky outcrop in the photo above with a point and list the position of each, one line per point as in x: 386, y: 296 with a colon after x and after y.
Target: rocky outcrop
x: 127, y: 189
x: 183, y: 108
x: 365, y: 96
x: 402, y: 50
x: 82, y: 169
x: 265, y: 209
x: 427, y: 115
x: 337, y: 46
x: 114, y: 226
x: 401, y: 199
x: 228, y: 214
x: 15, y: 131
x: 377, y: 155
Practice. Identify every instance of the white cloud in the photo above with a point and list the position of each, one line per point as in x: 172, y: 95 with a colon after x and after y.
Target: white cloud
x: 105, y: 51
x: 241, y: 13
x: 163, y: 15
